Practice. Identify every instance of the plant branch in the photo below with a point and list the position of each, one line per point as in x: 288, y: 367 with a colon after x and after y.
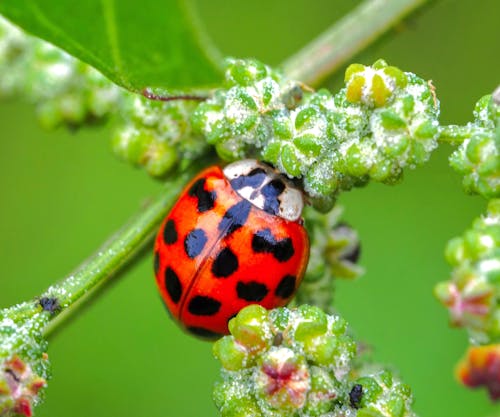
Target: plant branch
x: 346, y: 37
x: 121, y: 249
x: 455, y: 134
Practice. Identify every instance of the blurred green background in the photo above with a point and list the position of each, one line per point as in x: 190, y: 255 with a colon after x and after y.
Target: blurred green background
x: 63, y: 194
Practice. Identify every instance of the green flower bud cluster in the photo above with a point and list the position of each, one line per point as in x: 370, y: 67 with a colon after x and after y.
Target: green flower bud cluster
x: 384, y: 396
x: 293, y: 363
x: 67, y: 91
x: 383, y: 121
x: 335, y: 250
x: 473, y: 293
x: 24, y: 365
x: 156, y: 135
x: 303, y: 145
x: 283, y: 363
x: 64, y: 89
x: 373, y: 86
x: 13, y: 45
x: 239, y: 118
x: 153, y: 134
x: 487, y: 112
x: 478, y: 156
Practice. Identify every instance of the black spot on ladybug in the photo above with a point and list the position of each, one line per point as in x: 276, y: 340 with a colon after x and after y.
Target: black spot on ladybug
x: 156, y: 262
x: 253, y: 179
x: 203, y: 306
x: 173, y: 285
x: 194, y: 243
x: 170, y: 233
x: 50, y: 304
x: 286, y: 287
x: 264, y: 241
x: 271, y: 192
x: 235, y: 217
x: 225, y: 263
x: 355, y: 396
x: 251, y: 291
x: 206, y: 199
x: 204, y: 333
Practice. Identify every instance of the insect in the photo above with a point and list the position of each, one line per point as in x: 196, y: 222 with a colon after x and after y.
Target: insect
x: 235, y: 237
x: 50, y: 304
x: 356, y: 395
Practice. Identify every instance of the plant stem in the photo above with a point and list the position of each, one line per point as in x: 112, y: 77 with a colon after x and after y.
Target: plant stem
x: 122, y: 248
x: 454, y: 134
x: 345, y: 38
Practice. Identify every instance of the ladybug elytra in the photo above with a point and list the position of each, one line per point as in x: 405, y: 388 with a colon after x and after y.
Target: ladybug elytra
x: 235, y: 237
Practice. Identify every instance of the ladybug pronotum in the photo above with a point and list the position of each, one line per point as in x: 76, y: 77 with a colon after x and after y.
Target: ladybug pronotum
x: 235, y: 237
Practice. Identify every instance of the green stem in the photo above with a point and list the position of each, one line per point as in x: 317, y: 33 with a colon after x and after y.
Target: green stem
x: 345, y: 38
x: 122, y: 248
x: 455, y: 134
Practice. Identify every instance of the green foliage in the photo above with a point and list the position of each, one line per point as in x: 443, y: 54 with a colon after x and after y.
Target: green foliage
x: 63, y: 89
x: 384, y: 396
x: 157, y: 135
x: 332, y: 142
x: 156, y: 44
x: 298, y: 363
x: 24, y: 365
x: 478, y: 156
x: 235, y: 118
x: 283, y: 362
x: 383, y: 121
x: 472, y: 295
x: 13, y: 46
x: 375, y: 136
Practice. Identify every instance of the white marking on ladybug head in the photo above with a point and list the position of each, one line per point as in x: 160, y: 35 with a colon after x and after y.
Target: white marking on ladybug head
x: 265, y: 188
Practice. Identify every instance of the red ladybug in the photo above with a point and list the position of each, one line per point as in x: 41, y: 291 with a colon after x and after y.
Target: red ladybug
x: 235, y: 237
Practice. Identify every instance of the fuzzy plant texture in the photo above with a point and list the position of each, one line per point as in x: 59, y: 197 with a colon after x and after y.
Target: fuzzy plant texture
x: 63, y: 89
x: 477, y: 158
x: 24, y: 364
x: 472, y: 295
x: 299, y: 363
x: 284, y: 362
x: 383, y: 121
x: 157, y: 135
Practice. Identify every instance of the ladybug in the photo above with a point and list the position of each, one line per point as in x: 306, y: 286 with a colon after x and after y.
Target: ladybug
x: 235, y: 237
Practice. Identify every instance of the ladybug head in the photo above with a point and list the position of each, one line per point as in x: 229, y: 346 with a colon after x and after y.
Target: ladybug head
x: 265, y: 188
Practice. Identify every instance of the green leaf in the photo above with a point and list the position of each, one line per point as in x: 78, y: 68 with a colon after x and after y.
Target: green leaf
x: 137, y: 44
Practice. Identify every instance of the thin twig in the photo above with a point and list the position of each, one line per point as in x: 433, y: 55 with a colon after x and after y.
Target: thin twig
x: 455, y: 134
x: 346, y: 37
x: 120, y: 250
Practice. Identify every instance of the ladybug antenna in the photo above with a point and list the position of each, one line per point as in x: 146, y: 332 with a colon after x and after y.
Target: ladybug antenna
x: 152, y: 96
